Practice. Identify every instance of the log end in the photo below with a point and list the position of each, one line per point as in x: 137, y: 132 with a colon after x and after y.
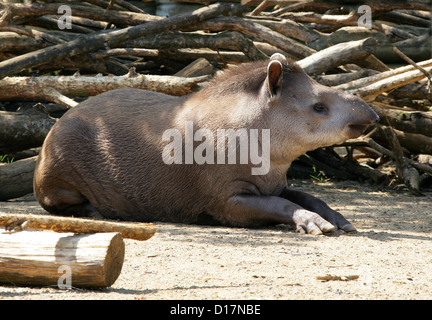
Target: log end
x: 114, y: 260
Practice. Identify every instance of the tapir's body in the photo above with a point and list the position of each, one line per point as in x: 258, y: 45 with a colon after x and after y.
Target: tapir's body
x: 105, y: 156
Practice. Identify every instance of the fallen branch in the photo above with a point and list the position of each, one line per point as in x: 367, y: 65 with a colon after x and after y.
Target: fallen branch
x: 128, y: 230
x: 82, y: 86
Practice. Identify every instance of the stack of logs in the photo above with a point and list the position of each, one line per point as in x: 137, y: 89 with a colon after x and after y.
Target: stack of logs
x: 54, y: 56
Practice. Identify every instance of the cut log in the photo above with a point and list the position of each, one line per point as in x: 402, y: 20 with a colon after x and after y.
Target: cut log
x: 23, y: 130
x: 128, y: 230
x: 16, y: 178
x: 36, y: 258
x: 199, y: 67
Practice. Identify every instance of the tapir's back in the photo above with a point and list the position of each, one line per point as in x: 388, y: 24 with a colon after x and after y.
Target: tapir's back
x: 106, y: 154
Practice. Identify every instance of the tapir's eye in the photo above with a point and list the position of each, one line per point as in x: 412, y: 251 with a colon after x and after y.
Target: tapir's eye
x: 320, y: 107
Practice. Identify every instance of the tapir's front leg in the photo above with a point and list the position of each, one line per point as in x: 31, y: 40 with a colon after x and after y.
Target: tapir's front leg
x: 314, y: 204
x: 252, y: 210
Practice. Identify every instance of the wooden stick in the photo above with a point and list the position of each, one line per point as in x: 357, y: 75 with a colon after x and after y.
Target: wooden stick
x: 128, y: 230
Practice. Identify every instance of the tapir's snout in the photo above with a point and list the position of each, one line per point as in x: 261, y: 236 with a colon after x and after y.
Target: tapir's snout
x: 362, y: 117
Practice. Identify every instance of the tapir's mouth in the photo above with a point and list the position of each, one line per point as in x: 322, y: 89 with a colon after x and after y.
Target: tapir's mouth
x: 356, y: 130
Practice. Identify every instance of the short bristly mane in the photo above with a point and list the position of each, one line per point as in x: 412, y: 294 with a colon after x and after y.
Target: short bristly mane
x: 245, y: 77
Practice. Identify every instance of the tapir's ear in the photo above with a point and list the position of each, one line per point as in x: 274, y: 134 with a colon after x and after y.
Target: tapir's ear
x: 278, y: 56
x: 274, y: 77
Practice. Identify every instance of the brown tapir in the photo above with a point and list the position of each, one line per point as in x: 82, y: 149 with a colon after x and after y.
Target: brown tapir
x: 126, y: 154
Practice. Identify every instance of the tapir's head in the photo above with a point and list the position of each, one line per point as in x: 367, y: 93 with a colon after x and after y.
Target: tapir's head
x: 308, y: 114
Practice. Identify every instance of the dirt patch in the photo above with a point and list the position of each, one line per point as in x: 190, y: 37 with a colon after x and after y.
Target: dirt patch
x: 389, y: 258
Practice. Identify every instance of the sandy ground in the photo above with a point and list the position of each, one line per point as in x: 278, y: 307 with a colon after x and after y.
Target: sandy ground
x: 390, y: 257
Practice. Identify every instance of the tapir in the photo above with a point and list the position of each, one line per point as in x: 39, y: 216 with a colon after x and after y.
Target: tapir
x: 137, y: 155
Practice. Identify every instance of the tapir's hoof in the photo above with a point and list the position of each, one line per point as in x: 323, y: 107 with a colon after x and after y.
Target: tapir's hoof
x: 348, y: 228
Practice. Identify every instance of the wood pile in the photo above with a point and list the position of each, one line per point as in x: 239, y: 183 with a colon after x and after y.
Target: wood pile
x: 54, y: 55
